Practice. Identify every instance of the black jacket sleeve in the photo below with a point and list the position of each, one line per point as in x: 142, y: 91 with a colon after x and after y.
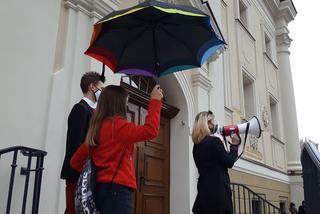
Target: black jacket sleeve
x: 78, y: 123
x: 227, y: 159
x: 77, y: 127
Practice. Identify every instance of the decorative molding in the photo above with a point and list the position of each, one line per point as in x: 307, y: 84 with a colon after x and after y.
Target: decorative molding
x: 278, y: 153
x: 93, y: 8
x: 275, y: 99
x: 267, y: 18
x: 278, y: 140
x: 252, y: 150
x: 198, y: 4
x: 140, y: 98
x: 287, y: 10
x: 283, y: 41
x: 224, y: 3
x: 182, y: 80
x: 245, y: 29
x: 294, y: 166
x: 280, y: 9
x: 205, y: 67
x: 258, y: 169
x: 265, y: 116
x: 270, y: 60
x: 200, y: 80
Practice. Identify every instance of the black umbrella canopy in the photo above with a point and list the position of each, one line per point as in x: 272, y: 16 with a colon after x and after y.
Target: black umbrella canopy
x: 153, y: 39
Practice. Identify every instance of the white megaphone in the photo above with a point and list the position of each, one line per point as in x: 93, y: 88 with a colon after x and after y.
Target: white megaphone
x: 252, y: 127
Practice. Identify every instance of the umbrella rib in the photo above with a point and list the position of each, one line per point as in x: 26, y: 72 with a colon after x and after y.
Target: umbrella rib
x: 179, y: 40
x: 155, y: 51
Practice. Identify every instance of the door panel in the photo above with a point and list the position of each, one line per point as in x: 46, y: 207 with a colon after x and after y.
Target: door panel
x: 152, y: 164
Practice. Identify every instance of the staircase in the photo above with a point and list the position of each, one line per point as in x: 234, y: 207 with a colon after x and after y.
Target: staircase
x: 29, y: 168
x: 245, y: 201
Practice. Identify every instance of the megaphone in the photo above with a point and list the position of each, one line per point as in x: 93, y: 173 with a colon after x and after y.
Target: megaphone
x: 253, y: 127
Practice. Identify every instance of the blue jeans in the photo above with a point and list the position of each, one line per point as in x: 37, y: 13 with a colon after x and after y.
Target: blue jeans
x: 112, y: 198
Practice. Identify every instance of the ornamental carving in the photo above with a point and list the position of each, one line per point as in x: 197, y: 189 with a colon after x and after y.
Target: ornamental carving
x: 284, y: 39
x: 265, y: 116
x: 252, y: 150
x: 253, y: 141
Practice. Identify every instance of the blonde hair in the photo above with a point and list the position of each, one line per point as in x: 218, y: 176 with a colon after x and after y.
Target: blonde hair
x: 200, y: 127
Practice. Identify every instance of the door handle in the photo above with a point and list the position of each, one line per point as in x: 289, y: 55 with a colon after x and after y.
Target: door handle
x: 141, y: 180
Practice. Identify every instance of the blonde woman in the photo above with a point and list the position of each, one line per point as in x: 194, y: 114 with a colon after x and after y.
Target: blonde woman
x: 212, y: 161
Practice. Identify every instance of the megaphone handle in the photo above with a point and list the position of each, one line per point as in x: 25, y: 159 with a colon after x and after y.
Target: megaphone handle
x: 245, y: 140
x: 225, y: 141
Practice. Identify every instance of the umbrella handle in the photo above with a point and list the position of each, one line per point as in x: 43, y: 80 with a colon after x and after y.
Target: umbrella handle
x: 102, y: 76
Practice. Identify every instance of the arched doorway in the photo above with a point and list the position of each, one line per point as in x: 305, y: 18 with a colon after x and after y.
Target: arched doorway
x: 152, y: 158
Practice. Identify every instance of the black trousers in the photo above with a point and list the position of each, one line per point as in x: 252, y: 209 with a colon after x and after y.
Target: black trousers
x: 112, y: 198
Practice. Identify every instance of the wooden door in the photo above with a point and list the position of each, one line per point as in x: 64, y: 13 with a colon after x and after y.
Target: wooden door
x: 152, y: 164
x: 152, y: 158
x: 153, y: 171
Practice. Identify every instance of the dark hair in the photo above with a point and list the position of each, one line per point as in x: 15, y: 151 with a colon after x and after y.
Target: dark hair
x: 112, y: 102
x: 292, y: 204
x: 88, y: 78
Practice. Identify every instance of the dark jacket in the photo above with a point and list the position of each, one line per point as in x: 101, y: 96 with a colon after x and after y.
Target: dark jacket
x: 78, y: 124
x: 301, y: 210
x: 213, y: 161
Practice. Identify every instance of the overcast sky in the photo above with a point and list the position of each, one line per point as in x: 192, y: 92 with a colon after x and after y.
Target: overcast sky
x: 305, y: 67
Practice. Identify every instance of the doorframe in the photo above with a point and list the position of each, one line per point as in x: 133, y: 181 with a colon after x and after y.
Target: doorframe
x: 141, y: 98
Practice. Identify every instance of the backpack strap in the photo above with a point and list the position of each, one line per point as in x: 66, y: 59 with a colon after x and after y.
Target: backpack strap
x: 90, y: 151
x: 115, y: 173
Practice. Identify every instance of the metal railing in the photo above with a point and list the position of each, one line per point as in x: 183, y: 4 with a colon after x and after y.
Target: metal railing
x: 245, y: 201
x: 31, y: 154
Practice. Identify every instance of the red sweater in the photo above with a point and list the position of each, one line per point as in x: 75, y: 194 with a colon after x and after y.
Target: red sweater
x: 106, y: 156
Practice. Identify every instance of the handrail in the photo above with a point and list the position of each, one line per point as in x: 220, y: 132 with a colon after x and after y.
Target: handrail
x: 31, y: 153
x: 23, y: 148
x: 243, y: 201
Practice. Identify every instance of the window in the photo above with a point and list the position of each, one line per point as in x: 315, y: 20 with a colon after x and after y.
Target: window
x: 243, y: 13
x: 144, y: 84
x: 274, y: 117
x: 267, y: 44
x: 248, y: 96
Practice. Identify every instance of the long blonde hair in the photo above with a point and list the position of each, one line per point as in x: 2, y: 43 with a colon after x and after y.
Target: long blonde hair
x: 200, y: 127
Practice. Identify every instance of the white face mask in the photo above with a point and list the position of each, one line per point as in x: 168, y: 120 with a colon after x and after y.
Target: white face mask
x: 97, y: 94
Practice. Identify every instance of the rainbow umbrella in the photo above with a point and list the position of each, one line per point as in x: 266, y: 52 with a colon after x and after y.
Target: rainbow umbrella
x: 154, y: 38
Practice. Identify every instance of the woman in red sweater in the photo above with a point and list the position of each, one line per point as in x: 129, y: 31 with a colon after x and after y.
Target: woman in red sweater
x: 112, y: 138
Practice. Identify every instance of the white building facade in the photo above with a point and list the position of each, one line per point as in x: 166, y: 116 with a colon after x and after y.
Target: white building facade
x: 42, y: 60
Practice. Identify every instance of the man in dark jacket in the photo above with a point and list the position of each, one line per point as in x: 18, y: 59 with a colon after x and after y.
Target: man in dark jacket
x: 293, y: 209
x: 302, y: 208
x: 78, y: 123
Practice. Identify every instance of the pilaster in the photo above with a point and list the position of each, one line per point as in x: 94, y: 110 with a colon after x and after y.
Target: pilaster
x: 93, y: 8
x: 201, y: 88
x: 289, y: 116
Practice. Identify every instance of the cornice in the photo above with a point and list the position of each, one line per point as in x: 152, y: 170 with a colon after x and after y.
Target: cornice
x: 198, y: 79
x: 280, y: 9
x: 93, y: 8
